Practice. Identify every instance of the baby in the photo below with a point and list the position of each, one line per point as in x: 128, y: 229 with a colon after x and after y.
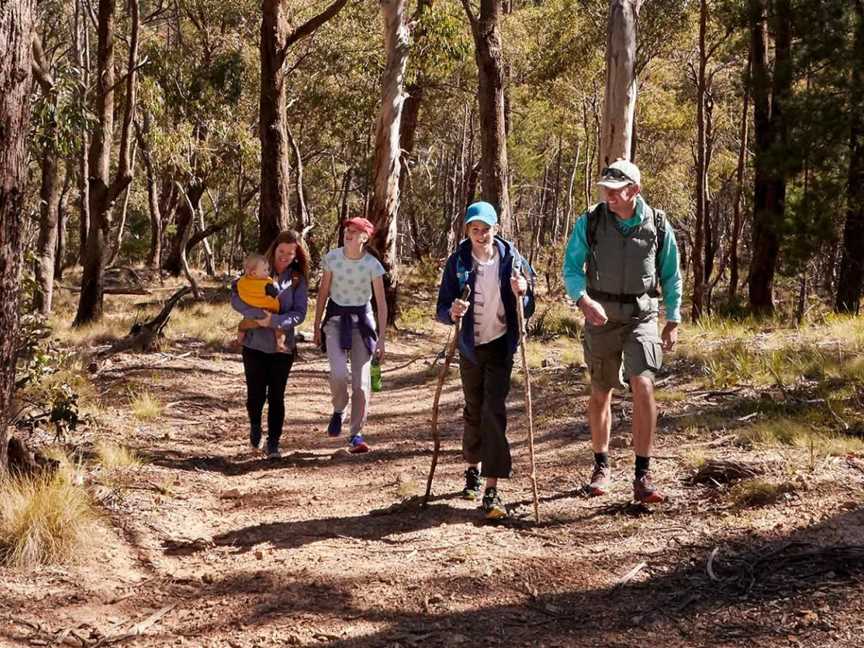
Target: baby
x: 257, y: 289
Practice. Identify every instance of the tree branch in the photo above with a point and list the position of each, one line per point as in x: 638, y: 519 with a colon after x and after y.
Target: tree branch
x: 41, y: 69
x: 124, y: 170
x: 729, y: 31
x: 471, y: 17
x: 310, y: 26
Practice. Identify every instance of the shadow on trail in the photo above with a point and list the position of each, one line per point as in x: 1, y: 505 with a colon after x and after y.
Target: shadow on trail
x: 235, y: 466
x: 376, y: 526
x: 753, y: 594
x: 758, y: 591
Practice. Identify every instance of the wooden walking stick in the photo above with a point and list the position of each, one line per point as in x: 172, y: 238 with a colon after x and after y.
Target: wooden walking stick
x: 442, y: 376
x: 520, y: 312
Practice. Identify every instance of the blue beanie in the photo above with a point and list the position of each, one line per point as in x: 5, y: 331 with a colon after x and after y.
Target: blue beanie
x: 481, y: 211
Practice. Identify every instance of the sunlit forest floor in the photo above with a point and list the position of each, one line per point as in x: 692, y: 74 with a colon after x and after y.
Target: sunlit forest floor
x: 203, y: 542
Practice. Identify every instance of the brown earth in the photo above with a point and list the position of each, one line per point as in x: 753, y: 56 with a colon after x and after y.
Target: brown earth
x: 209, y: 544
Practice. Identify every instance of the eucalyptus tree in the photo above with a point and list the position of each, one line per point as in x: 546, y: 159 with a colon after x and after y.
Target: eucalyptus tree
x: 494, y: 174
x: 103, y: 188
x: 387, y: 163
x: 851, y: 278
x: 772, y: 87
x: 16, y: 38
x: 277, y: 39
x: 619, y: 100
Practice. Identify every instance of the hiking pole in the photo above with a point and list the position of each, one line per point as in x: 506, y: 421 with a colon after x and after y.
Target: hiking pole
x: 520, y: 313
x: 442, y: 376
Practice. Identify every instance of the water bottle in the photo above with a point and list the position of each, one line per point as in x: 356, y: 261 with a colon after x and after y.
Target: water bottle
x: 376, y: 375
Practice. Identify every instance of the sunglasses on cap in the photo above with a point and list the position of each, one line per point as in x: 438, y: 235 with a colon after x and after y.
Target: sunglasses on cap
x: 611, y: 173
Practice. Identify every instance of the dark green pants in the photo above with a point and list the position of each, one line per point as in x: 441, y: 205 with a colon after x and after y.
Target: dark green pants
x: 486, y: 384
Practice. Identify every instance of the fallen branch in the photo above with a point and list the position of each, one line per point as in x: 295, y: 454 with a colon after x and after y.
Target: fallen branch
x: 709, y: 566
x: 630, y: 575
x: 115, y: 290
x: 717, y: 471
x: 136, y: 629
x: 836, y: 416
x: 142, y: 337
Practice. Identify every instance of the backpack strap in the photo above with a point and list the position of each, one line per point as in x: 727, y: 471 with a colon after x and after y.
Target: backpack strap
x: 594, y: 216
x: 462, y: 273
x: 660, y: 229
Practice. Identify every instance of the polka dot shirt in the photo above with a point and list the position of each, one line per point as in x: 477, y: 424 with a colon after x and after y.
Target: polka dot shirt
x: 352, y: 278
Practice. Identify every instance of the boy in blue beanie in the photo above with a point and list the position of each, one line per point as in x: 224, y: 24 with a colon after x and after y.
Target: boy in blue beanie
x: 493, y: 268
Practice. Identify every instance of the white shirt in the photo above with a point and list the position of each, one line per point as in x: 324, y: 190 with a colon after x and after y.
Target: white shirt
x: 490, y: 322
x: 352, y: 278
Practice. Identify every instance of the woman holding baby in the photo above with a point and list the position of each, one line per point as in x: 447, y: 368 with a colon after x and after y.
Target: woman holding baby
x: 267, y: 363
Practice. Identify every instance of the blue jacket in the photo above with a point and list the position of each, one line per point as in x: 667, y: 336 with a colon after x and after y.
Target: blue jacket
x: 459, y: 270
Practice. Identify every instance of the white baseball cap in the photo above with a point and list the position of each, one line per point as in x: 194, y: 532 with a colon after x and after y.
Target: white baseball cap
x: 620, y: 174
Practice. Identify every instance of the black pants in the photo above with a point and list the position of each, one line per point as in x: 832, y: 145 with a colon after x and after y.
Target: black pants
x: 266, y: 377
x: 486, y: 385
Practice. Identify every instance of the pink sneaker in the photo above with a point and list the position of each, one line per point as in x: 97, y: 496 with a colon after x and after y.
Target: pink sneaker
x: 645, y: 491
x: 358, y: 445
x: 601, y: 480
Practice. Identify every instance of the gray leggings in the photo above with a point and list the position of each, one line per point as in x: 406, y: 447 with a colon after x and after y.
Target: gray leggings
x: 360, y: 376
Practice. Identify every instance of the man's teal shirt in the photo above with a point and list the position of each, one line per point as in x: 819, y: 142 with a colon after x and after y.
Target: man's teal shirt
x: 575, y: 280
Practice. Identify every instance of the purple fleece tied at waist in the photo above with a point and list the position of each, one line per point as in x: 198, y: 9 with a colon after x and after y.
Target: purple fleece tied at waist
x: 365, y: 324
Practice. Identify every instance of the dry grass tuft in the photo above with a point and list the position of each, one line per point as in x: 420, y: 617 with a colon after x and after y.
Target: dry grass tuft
x: 145, y: 406
x: 694, y: 458
x: 213, y: 324
x: 116, y: 457
x: 46, y: 520
x: 800, y: 433
x: 758, y: 492
x: 417, y: 317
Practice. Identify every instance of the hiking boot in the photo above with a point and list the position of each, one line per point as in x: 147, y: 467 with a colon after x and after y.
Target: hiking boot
x: 601, y: 480
x: 472, y: 484
x: 357, y: 444
x: 255, y: 437
x: 493, y: 507
x: 334, y: 429
x: 645, y: 491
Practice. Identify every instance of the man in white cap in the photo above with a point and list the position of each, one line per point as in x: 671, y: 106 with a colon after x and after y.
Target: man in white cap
x: 621, y: 255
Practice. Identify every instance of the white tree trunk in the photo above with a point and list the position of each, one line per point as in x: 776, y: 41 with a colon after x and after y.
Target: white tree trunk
x: 619, y: 104
x: 387, y: 165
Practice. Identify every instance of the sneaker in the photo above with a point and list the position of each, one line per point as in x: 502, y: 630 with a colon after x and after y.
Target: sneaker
x: 472, y: 484
x: 273, y: 451
x: 601, y: 480
x: 334, y: 429
x: 357, y: 444
x: 493, y: 507
x: 255, y: 437
x: 645, y: 491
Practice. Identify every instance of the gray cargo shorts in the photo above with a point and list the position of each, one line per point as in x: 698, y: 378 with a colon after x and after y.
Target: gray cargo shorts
x: 619, y: 350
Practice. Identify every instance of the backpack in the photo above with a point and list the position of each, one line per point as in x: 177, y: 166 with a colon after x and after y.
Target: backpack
x: 659, y: 227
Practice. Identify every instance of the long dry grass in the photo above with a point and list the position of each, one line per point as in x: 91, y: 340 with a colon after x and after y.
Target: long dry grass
x: 145, y: 406
x: 44, y: 520
x: 112, y: 456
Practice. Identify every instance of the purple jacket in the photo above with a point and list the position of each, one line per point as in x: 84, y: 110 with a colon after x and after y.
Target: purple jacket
x: 292, y: 311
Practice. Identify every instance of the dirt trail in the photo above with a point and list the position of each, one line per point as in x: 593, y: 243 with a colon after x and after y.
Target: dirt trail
x: 210, y: 544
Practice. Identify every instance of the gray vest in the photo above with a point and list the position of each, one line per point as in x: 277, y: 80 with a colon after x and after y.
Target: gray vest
x: 623, y: 265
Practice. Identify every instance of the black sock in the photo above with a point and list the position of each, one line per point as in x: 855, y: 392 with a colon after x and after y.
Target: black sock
x: 642, y: 465
x: 601, y: 458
